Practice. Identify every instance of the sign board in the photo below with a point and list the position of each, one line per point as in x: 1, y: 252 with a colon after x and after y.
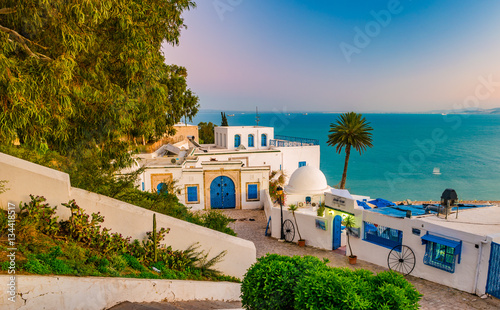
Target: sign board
x: 339, y: 203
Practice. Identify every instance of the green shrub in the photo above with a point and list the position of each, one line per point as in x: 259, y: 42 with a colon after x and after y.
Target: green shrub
x: 269, y: 283
x: 118, y: 262
x: 34, y: 265
x: 281, y: 282
x: 216, y: 220
x: 39, y: 215
x: 133, y: 262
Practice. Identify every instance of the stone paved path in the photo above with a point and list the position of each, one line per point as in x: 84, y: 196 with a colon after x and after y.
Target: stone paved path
x: 251, y: 225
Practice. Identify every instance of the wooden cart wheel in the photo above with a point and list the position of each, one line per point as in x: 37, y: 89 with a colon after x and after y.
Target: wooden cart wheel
x: 401, y: 259
x: 288, y: 231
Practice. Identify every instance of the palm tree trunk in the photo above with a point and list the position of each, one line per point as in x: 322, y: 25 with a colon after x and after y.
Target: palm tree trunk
x: 300, y: 237
x: 344, y: 174
x: 349, y: 243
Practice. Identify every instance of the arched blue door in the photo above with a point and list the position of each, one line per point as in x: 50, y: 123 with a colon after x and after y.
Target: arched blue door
x: 337, y: 221
x: 161, y: 188
x: 222, y: 193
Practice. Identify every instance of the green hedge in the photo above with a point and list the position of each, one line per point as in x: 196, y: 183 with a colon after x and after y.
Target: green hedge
x: 282, y: 282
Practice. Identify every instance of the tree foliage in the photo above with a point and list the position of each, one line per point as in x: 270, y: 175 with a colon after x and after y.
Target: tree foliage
x: 224, y: 119
x: 78, y: 76
x: 206, y: 131
x: 350, y: 130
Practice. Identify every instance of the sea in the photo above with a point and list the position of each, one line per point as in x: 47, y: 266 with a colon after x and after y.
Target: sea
x: 414, y: 156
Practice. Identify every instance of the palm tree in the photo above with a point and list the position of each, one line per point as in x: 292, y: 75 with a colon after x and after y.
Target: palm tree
x: 351, y: 130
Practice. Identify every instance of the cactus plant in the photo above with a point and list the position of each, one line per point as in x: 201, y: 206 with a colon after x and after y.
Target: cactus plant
x: 155, y: 241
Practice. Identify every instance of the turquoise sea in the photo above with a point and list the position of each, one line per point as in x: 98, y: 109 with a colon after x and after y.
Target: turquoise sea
x: 407, y: 148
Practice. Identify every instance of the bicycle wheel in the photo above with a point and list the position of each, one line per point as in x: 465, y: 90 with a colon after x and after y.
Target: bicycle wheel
x: 401, y: 259
x: 288, y: 231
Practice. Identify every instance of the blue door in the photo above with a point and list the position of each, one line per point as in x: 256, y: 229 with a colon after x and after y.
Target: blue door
x: 222, y: 193
x: 493, y: 283
x: 337, y: 221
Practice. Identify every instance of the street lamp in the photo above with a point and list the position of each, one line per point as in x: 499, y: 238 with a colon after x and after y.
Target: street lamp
x: 279, y: 191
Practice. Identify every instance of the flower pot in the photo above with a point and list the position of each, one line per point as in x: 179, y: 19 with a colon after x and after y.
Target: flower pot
x: 353, y: 259
x: 302, y: 243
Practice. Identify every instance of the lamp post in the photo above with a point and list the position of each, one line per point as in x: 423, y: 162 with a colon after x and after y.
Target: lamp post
x: 279, y: 191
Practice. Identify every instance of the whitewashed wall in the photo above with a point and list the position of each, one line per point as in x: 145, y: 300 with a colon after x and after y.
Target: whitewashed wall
x: 293, y: 155
x: 230, y: 131
x: 466, y: 273
x: 27, y: 178
x: 82, y: 293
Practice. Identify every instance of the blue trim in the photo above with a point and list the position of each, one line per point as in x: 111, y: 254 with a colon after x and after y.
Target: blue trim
x: 250, y: 140
x: 382, y: 236
x: 142, y: 186
x: 451, y: 243
x: 441, y: 252
x: 493, y: 282
x: 252, y: 191
x: 302, y: 164
x: 192, y: 193
x: 263, y: 139
x: 237, y: 140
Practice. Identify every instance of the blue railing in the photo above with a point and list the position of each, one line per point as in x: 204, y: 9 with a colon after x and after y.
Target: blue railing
x: 286, y: 141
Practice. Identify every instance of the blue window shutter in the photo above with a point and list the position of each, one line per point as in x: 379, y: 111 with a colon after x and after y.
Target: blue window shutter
x: 192, y: 193
x: 250, y: 140
x: 143, y: 186
x: 252, y: 191
x: 237, y: 140
x: 263, y: 140
x: 302, y: 163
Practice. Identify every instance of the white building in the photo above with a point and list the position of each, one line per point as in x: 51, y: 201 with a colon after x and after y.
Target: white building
x: 461, y: 252
x: 233, y: 172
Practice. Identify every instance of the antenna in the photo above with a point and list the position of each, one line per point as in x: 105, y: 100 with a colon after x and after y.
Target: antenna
x: 257, y: 117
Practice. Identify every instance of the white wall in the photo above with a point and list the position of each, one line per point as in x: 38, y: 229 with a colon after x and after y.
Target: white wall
x: 26, y: 178
x: 293, y: 155
x: 228, y: 132
x: 464, y: 277
x: 82, y: 293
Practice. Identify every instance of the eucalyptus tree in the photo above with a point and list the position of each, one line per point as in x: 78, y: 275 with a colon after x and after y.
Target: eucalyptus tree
x: 350, y: 130
x: 79, y: 76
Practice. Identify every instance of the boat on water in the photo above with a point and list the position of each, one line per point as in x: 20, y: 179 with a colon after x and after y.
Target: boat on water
x: 436, y: 171
x: 230, y: 115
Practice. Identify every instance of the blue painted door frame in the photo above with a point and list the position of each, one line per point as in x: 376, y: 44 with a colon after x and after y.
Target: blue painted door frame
x: 336, y: 231
x: 493, y: 283
x: 222, y: 193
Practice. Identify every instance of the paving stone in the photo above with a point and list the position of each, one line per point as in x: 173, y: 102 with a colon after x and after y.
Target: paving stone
x: 435, y: 296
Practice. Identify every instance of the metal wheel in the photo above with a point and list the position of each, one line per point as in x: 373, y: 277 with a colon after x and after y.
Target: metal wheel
x: 401, y: 259
x: 288, y: 231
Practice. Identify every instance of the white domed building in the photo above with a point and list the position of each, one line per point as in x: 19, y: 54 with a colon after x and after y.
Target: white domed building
x: 306, y: 187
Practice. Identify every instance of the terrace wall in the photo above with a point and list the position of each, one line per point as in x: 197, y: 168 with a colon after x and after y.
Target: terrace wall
x: 25, y: 178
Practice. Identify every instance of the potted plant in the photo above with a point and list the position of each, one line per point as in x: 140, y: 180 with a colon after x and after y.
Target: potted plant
x: 349, y: 223
x: 321, y: 209
x: 292, y: 208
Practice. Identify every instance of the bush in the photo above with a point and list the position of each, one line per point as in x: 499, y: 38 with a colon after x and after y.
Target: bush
x: 270, y: 282
x: 281, y: 282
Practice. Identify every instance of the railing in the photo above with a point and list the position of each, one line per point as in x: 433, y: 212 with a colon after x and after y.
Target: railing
x: 286, y: 141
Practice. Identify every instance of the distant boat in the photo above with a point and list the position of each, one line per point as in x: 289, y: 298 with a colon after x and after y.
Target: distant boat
x: 304, y: 113
x: 443, y: 113
x: 436, y: 171
x: 230, y: 115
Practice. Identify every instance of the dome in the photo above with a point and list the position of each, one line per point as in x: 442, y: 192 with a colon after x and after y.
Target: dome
x: 307, y: 180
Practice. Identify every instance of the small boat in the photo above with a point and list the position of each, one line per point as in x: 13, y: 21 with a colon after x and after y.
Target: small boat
x: 230, y: 115
x: 304, y: 113
x: 436, y: 171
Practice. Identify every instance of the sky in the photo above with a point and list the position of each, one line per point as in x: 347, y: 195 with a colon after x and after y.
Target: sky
x: 324, y: 55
